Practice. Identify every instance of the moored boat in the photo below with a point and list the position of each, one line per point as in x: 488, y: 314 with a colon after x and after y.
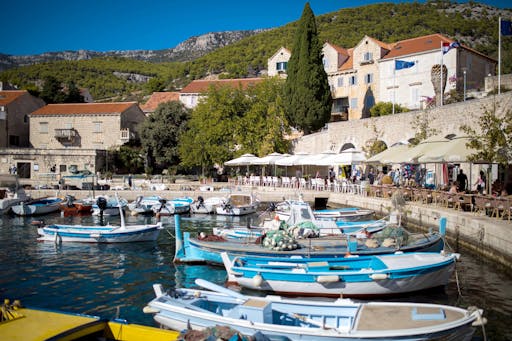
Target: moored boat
x: 208, y: 250
x: 284, y: 208
x: 293, y: 319
x: 173, y: 206
x: 11, y: 192
x: 37, y: 206
x: 206, y: 206
x: 237, y: 204
x: 72, y: 206
x: 31, y: 324
x: 108, y: 205
x: 352, y: 276
x: 144, y: 204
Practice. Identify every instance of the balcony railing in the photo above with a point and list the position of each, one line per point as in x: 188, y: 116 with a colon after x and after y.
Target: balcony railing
x: 65, y: 134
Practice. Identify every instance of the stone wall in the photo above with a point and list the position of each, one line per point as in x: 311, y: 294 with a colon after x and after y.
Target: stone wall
x: 398, y: 127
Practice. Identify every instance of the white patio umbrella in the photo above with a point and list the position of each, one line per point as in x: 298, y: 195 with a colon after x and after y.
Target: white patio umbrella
x: 292, y: 160
x: 412, y: 154
x: 269, y: 160
x: 244, y: 160
x: 385, y: 156
x: 315, y: 159
x: 349, y: 156
x: 454, y: 151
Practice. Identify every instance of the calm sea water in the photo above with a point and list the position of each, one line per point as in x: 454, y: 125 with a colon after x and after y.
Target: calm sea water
x: 116, y: 279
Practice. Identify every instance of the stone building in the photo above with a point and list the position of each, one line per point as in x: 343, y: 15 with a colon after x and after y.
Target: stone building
x: 15, y: 106
x: 400, y: 72
x: 195, y: 90
x: 70, y: 137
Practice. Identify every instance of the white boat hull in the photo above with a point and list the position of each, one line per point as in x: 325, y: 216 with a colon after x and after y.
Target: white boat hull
x: 104, y: 234
x: 28, y: 209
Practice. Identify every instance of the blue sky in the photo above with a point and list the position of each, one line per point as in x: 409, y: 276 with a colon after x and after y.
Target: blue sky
x: 36, y: 26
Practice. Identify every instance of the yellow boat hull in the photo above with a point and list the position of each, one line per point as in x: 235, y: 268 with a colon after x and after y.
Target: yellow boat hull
x: 35, y: 324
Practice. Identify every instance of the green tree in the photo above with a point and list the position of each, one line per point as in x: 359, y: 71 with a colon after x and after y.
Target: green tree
x: 493, y: 142
x: 307, y: 95
x: 52, y: 91
x: 160, y: 134
x: 73, y: 94
x: 386, y: 108
x: 230, y: 122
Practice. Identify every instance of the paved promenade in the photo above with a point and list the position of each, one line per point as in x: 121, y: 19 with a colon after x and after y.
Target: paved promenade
x: 484, y: 235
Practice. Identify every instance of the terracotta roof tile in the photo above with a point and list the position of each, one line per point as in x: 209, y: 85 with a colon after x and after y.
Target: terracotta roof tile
x: 7, y: 96
x: 349, y: 63
x: 158, y: 98
x: 84, y: 108
x: 417, y: 45
x: 202, y: 86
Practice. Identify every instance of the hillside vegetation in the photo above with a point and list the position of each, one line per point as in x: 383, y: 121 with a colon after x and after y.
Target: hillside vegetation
x: 474, y: 25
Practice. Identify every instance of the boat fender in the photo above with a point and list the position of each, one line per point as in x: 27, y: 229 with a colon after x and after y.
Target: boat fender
x: 150, y: 310
x: 257, y: 280
x: 327, y: 279
x: 377, y: 277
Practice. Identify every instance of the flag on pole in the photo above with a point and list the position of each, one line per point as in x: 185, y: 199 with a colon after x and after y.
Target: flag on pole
x: 448, y: 46
x: 506, y: 27
x: 402, y: 64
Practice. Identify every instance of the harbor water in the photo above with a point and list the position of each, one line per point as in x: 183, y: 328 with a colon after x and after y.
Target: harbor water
x: 113, y: 280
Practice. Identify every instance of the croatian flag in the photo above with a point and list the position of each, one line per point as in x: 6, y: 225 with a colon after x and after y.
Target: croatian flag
x: 448, y: 46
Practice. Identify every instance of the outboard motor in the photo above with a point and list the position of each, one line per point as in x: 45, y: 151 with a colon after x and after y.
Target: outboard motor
x: 138, y: 200
x: 69, y: 200
x: 162, y: 204
x: 102, y: 204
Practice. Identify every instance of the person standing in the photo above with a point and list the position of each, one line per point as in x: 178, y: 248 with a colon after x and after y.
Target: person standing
x: 462, y: 181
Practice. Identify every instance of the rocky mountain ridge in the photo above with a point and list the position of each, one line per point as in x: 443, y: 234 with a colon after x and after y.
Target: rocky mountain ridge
x: 187, y: 50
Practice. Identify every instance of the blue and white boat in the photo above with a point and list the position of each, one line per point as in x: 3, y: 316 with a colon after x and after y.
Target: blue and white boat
x: 280, y: 318
x: 237, y: 204
x: 208, y: 250
x: 100, y: 234
x: 173, y: 206
x: 11, y: 192
x: 37, y: 206
x: 107, y: 205
x: 352, y: 276
x: 301, y: 218
x: 284, y: 208
x: 144, y: 204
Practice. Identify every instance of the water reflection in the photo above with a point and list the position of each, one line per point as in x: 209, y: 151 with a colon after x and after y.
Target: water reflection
x: 104, y: 279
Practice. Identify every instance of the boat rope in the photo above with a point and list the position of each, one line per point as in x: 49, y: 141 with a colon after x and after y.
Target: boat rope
x: 457, y: 281
x: 480, y: 321
x: 9, y: 311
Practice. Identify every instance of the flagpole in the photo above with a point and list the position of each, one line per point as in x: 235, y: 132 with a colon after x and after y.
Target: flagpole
x: 394, y: 77
x: 441, y: 85
x: 499, y: 56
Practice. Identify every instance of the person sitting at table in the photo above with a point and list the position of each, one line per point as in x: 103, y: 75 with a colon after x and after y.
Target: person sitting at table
x: 387, y: 180
x: 454, y: 187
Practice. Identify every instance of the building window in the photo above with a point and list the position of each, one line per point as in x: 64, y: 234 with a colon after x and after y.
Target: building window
x: 281, y: 66
x: 43, y: 127
x: 25, y: 119
x: 352, y: 80
x: 415, y: 97
x: 325, y: 62
x: 340, y: 82
x: 367, y: 56
x: 97, y: 127
x: 14, y: 140
x: 68, y: 126
x: 353, y: 103
x: 368, y: 78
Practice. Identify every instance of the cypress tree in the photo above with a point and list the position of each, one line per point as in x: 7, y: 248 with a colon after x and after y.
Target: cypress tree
x: 307, y: 94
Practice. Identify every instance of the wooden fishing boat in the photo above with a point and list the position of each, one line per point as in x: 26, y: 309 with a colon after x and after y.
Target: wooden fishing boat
x: 70, y: 206
x: 29, y: 324
x: 352, y: 276
x: 280, y: 318
x: 37, y: 206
